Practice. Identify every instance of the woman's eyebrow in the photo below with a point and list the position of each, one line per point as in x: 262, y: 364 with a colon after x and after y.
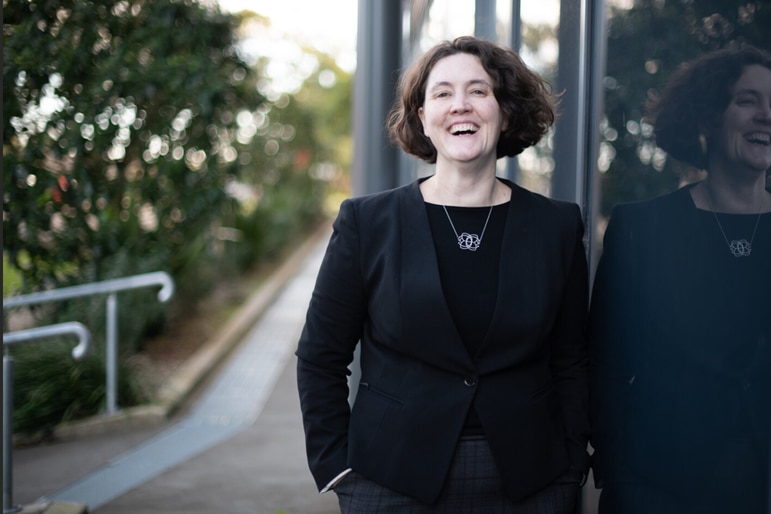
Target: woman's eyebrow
x: 474, y: 82
x: 748, y: 91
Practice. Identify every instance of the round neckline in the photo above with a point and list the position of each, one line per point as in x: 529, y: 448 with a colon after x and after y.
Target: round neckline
x: 687, y: 190
x: 462, y: 207
x: 730, y: 214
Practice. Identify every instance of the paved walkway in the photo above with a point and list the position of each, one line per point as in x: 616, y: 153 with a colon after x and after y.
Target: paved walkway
x: 237, y: 449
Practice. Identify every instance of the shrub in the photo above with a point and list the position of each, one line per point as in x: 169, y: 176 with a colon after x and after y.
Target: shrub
x: 50, y: 387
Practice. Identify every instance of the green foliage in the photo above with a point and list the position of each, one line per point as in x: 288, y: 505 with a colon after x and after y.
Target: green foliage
x: 645, y: 44
x: 51, y: 388
x: 11, y: 279
x: 118, y: 134
x: 306, y: 154
x: 326, y: 99
x: 135, y: 139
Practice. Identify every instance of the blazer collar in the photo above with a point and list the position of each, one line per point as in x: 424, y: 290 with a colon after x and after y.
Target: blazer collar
x: 516, y: 267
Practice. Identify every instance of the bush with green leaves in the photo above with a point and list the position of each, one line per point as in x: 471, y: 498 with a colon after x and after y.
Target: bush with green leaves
x: 50, y: 387
x: 136, y: 138
x: 119, y: 135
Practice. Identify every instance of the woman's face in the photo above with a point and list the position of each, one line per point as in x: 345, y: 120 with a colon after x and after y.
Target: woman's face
x: 745, y: 136
x: 460, y: 113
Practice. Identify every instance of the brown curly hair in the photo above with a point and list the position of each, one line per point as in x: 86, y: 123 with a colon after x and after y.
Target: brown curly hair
x: 526, y: 99
x: 694, y: 100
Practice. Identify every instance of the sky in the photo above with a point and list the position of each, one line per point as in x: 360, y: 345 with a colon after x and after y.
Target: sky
x: 330, y: 26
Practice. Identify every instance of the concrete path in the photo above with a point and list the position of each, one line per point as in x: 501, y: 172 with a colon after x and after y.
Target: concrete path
x: 238, y: 448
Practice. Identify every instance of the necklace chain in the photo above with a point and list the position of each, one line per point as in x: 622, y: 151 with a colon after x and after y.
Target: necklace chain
x: 737, y: 247
x: 468, y: 241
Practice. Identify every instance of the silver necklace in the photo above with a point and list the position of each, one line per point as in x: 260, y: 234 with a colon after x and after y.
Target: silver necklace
x: 468, y: 241
x: 737, y: 247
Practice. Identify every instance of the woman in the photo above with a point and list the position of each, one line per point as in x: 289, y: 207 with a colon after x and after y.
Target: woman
x: 680, y: 324
x: 469, y: 296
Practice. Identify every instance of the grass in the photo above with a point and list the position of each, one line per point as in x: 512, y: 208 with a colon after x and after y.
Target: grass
x: 12, y: 282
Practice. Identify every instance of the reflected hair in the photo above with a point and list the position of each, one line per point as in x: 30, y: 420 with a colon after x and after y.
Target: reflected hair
x: 694, y: 99
x: 527, y: 103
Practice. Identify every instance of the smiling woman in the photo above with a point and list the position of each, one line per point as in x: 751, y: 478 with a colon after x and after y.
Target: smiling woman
x: 679, y: 325
x: 468, y: 295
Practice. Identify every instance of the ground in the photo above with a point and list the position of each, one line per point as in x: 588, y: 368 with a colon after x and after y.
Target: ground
x: 188, y: 329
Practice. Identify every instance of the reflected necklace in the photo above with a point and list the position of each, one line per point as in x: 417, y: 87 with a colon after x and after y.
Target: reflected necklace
x: 468, y: 241
x: 740, y: 247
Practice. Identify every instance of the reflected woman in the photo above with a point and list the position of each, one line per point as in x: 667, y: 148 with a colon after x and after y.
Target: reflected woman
x: 680, y: 323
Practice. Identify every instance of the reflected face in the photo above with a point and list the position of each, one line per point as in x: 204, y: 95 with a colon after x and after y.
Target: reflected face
x: 460, y: 113
x: 745, y: 136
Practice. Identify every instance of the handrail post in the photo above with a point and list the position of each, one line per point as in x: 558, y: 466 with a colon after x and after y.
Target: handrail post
x: 84, y: 344
x: 112, y: 353
x: 8, y: 506
x: 109, y: 288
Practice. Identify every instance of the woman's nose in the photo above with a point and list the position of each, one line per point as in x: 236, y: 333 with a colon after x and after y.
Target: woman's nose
x: 763, y: 109
x: 764, y: 113
x: 460, y: 103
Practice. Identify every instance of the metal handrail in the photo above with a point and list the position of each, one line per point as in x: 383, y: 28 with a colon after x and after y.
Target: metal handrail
x: 110, y: 288
x: 115, y: 285
x: 18, y: 337
x: 71, y: 327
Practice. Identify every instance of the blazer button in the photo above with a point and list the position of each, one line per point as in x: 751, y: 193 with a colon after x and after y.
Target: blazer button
x: 470, y: 381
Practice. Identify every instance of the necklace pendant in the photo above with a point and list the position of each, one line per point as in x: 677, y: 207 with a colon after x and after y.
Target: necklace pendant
x: 737, y: 247
x: 740, y: 248
x: 469, y: 242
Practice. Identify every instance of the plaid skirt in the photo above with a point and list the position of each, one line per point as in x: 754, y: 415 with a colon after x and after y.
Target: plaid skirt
x: 473, y: 486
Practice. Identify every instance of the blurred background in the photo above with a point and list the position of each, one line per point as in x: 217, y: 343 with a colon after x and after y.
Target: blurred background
x: 206, y: 139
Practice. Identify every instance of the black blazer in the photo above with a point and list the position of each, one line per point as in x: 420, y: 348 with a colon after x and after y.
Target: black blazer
x: 680, y: 357
x: 379, y: 284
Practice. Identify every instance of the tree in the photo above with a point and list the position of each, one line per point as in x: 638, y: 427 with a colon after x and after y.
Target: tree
x: 119, y: 134
x: 305, y: 153
x: 645, y: 44
x: 136, y: 137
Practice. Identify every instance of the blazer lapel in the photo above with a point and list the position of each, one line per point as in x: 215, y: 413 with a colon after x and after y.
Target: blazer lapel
x: 515, y: 268
x: 429, y: 329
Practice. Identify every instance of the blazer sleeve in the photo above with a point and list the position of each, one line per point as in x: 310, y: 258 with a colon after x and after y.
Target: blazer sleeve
x: 325, y: 350
x: 568, y: 350
x: 614, y: 322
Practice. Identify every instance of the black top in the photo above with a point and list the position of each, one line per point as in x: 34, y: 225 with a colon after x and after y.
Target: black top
x: 469, y: 278
x: 680, y: 335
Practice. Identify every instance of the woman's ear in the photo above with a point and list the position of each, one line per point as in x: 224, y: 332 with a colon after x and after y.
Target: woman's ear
x: 505, y: 116
x: 703, y: 143
x: 704, y: 136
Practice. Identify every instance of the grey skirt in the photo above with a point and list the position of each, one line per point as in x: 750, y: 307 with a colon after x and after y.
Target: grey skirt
x: 473, y: 486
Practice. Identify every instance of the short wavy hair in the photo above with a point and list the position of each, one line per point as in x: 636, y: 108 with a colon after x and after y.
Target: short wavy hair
x: 526, y: 99
x: 694, y: 99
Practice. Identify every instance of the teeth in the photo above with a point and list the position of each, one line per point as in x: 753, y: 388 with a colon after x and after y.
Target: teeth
x: 463, y: 127
x: 759, y: 137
